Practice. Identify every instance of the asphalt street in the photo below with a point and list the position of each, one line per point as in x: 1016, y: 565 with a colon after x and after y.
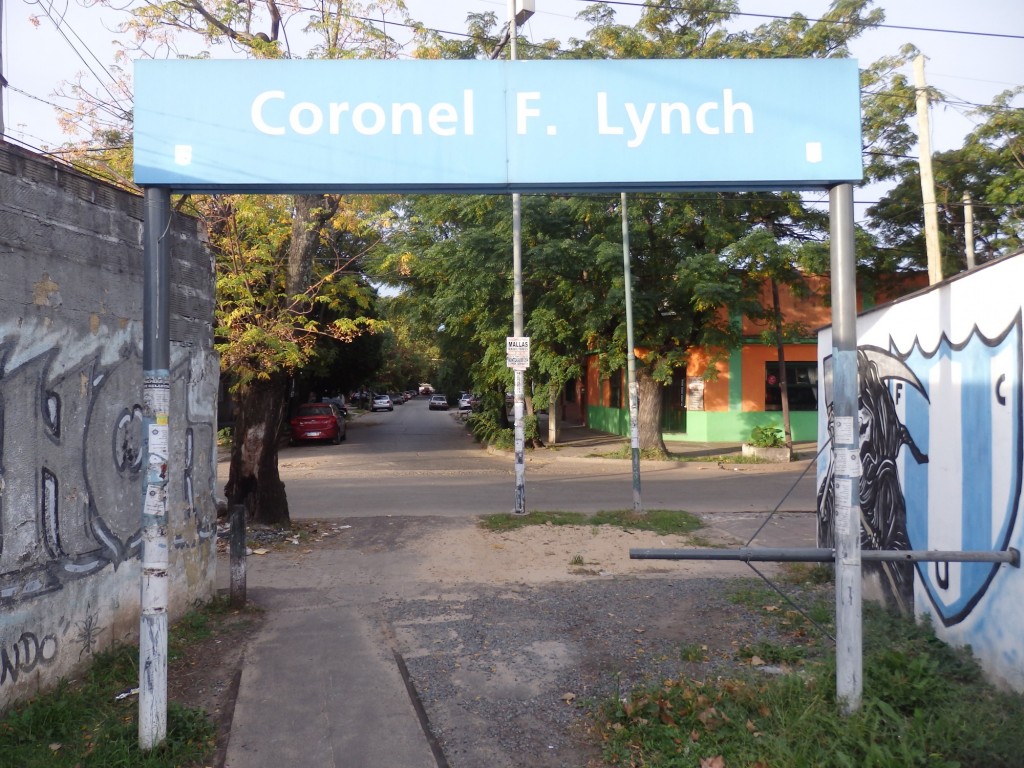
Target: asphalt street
x: 417, y: 462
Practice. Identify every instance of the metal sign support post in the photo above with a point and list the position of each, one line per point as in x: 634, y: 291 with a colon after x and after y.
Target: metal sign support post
x: 634, y: 395
x: 156, y: 364
x: 846, y: 448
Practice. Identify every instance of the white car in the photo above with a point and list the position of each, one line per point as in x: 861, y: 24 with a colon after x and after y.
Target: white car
x: 382, y: 403
x: 465, y: 402
x: 438, y: 403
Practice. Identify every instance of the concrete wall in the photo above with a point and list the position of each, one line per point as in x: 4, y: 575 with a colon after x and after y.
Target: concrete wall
x: 71, y: 463
x: 942, y: 455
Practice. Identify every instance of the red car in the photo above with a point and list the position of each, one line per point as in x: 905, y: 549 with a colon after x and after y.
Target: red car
x: 317, y: 421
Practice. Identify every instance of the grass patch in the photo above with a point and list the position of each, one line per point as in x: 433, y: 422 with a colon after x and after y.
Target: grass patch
x: 925, y: 704
x: 724, y: 458
x: 626, y: 452
x: 661, y: 521
x: 808, y: 573
x: 651, y: 454
x: 815, y: 599
x: 81, y: 723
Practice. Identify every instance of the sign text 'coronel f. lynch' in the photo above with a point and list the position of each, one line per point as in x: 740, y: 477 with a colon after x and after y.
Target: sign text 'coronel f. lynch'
x: 272, y: 114
x: 358, y: 126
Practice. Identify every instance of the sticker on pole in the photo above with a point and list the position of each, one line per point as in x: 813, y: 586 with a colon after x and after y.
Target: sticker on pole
x: 517, y: 352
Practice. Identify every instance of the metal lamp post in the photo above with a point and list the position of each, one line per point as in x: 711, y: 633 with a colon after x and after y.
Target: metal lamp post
x: 518, y: 12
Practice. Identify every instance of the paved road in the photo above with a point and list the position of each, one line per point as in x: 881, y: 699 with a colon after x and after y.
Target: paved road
x: 417, y: 462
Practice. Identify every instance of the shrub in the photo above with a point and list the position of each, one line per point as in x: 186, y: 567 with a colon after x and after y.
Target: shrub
x: 766, y: 437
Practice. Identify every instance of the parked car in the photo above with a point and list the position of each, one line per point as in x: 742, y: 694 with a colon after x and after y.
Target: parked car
x: 465, y: 402
x: 397, y: 398
x: 338, y: 402
x: 381, y: 403
x: 317, y: 421
x: 438, y: 403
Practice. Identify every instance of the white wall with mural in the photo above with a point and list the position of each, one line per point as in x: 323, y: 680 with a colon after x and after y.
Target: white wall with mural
x: 71, y: 442
x: 940, y: 411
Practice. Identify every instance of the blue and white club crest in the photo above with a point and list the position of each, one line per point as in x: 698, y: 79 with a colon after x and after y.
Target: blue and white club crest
x: 968, y: 421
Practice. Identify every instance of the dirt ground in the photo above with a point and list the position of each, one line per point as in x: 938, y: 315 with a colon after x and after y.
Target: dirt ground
x: 580, y: 558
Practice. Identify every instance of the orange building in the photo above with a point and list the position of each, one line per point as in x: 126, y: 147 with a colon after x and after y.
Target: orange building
x: 723, y: 394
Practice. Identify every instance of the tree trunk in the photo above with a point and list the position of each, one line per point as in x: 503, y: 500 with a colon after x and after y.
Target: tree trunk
x: 311, y: 213
x: 783, y: 381
x: 254, y: 479
x: 649, y: 417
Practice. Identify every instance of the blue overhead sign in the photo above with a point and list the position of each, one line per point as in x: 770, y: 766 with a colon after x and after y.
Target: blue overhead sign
x: 496, y: 126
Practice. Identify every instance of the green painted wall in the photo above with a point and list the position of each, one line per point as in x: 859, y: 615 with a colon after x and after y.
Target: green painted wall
x: 710, y: 426
x: 736, y: 380
x: 613, y: 420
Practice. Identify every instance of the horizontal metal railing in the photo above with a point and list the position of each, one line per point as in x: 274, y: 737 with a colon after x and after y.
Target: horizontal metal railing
x: 812, y: 555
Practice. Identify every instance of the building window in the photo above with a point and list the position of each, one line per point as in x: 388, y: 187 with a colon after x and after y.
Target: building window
x: 615, y: 399
x: 801, y: 383
x: 570, y: 391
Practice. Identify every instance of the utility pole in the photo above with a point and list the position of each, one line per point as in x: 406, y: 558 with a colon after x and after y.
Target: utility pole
x: 514, y: 19
x: 924, y: 141
x: 634, y: 394
x: 156, y: 388
x: 846, y: 454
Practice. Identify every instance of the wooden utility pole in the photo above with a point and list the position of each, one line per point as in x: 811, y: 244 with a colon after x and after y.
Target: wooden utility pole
x: 924, y: 142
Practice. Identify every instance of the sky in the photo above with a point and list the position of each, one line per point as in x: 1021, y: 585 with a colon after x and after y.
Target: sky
x: 38, y: 59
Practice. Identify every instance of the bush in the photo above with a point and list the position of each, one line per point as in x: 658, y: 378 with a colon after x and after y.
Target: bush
x: 766, y: 437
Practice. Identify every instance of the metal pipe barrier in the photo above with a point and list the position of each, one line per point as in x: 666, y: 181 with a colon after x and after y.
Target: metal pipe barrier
x: 811, y: 555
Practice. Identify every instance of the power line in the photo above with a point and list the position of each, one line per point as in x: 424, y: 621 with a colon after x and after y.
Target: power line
x: 818, y: 20
x: 60, y: 25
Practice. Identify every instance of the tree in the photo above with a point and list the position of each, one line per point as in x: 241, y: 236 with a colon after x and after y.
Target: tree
x: 573, y: 281
x: 771, y: 257
x: 271, y: 314
x: 989, y: 168
x: 681, y: 242
x: 335, y: 29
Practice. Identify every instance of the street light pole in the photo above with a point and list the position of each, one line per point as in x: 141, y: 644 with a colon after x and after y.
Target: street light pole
x: 517, y: 305
x: 634, y: 394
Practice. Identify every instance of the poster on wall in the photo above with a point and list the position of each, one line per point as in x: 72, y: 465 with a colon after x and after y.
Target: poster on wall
x: 695, y: 393
x: 941, y: 425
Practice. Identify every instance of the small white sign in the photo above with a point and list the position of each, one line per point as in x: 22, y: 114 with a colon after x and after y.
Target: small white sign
x: 844, y: 430
x: 517, y: 352
x: 848, y: 462
x: 843, y: 506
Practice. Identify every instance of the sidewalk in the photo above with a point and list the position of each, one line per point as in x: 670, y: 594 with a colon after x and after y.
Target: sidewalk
x: 580, y: 441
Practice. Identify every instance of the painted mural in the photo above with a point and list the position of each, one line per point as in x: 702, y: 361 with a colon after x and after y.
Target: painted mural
x: 71, y: 479
x: 941, y: 418
x: 71, y: 426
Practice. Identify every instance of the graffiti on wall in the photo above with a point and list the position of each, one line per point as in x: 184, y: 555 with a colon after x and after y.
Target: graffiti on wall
x: 941, y: 451
x: 71, y: 443
x: 25, y: 654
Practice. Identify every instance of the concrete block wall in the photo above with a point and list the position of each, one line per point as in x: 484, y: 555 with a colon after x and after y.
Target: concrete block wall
x: 71, y: 463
